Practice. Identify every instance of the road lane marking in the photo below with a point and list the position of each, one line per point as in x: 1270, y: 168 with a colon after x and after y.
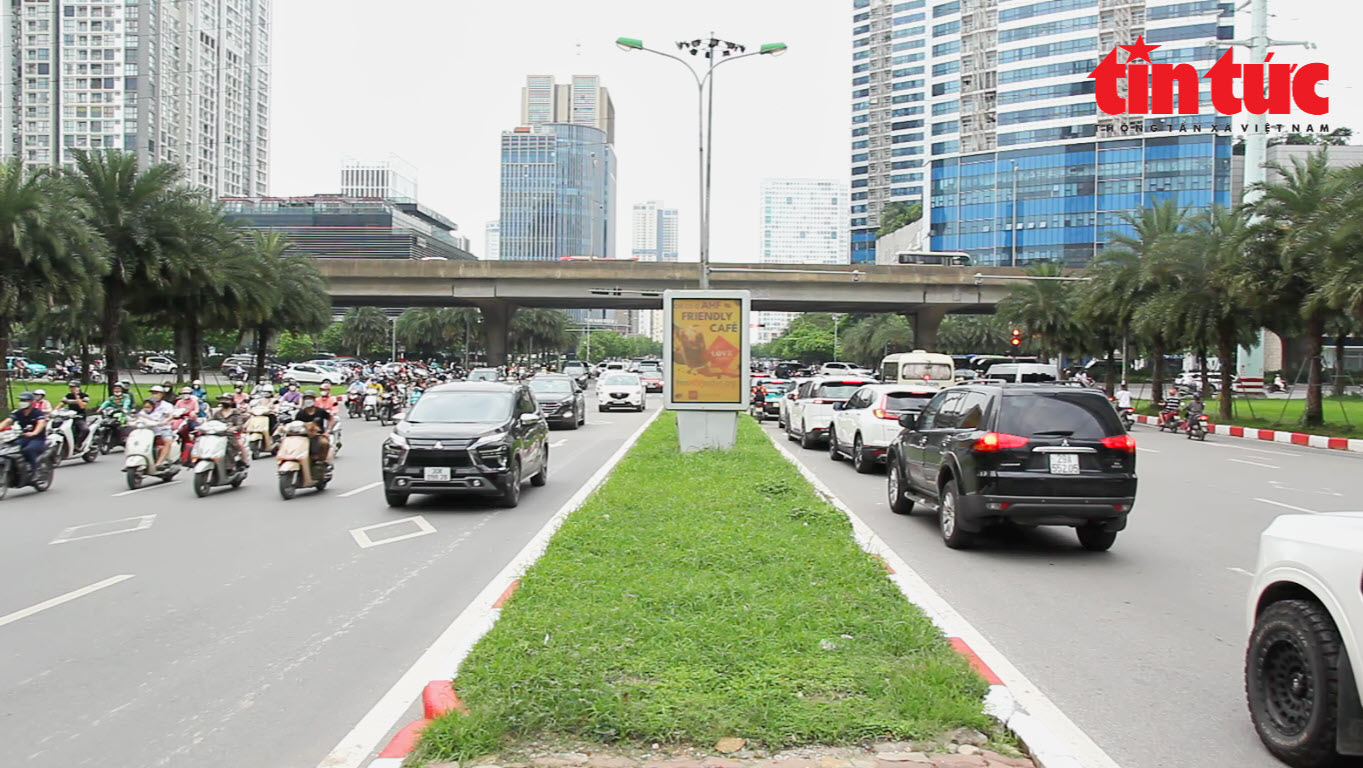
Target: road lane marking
x: 142, y: 523
x: 361, y: 535
x: 66, y: 598
x: 1278, y: 486
x: 1252, y: 450
x: 1254, y: 464
x: 361, y: 489
x: 1242, y: 571
x: 1146, y: 450
x: 148, y: 488
x: 558, y: 443
x: 1288, y: 506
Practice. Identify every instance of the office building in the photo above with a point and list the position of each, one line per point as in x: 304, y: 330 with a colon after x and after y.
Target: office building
x: 983, y: 111
x: 335, y: 227
x: 655, y: 232
x: 492, y: 241
x: 391, y: 179
x: 580, y: 102
x: 557, y: 193
x: 185, y: 83
x: 804, y: 221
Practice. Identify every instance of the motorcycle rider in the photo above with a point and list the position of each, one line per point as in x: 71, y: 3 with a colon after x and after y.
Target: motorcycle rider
x: 159, y: 415
x: 193, y: 407
x: 1123, y: 397
x: 1170, y: 407
x: 320, y: 419
x: 239, y: 396
x: 119, y: 398
x: 292, y: 394
x: 202, y: 394
x: 77, y: 401
x: 33, y: 422
x: 40, y: 401
x: 330, y: 402
x: 229, y: 413
x: 1195, y: 409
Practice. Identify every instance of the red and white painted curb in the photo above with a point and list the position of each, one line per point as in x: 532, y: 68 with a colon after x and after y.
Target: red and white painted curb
x: 431, y: 675
x: 1052, y: 739
x: 1276, y: 436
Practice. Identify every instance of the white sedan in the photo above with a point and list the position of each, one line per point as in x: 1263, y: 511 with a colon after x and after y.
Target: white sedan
x: 619, y: 389
x: 1304, y: 662
x: 865, y: 425
x: 307, y: 373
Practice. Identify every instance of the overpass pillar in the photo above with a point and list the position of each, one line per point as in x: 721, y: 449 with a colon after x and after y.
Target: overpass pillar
x: 926, y: 321
x: 496, y: 330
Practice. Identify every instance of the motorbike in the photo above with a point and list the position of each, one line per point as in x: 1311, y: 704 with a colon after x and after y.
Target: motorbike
x: 1198, y: 427
x: 14, y: 469
x: 141, y: 454
x: 354, y: 405
x: 388, y: 409
x: 212, y: 468
x: 1128, y: 417
x: 257, y: 427
x: 108, y: 429
x: 296, y: 470
x: 1170, y: 422
x: 370, y: 408
x: 62, y: 435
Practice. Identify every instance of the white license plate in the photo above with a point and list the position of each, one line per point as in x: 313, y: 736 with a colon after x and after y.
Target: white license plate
x: 1064, y: 463
x: 436, y: 474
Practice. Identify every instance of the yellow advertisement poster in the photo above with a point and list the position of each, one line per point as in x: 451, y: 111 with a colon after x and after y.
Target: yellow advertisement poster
x: 707, y: 351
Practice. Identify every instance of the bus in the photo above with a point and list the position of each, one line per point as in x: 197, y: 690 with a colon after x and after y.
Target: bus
x: 930, y: 259
x: 917, y: 367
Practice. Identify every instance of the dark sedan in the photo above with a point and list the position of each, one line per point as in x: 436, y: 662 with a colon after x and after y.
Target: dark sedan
x: 561, y: 399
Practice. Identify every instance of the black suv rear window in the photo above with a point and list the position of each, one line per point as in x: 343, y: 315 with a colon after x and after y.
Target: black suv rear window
x: 1061, y: 414
x: 907, y: 401
x: 838, y: 390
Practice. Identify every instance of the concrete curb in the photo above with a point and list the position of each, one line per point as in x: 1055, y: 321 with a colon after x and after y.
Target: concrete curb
x: 1276, y: 436
x: 1052, y: 739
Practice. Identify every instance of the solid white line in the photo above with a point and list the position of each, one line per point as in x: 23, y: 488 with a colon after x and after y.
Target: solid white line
x: 143, y: 523
x: 1288, y: 506
x: 361, y: 489
x: 66, y: 598
x: 361, y: 535
x: 148, y: 488
x: 1254, y: 464
x: 558, y: 443
x: 1241, y: 571
x: 1252, y: 450
x: 442, y: 659
x: 1049, y: 734
x: 1146, y: 450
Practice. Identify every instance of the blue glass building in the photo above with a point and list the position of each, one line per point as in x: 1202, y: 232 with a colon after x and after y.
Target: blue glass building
x: 557, y: 193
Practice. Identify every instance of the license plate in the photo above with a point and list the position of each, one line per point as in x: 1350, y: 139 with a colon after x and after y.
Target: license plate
x: 436, y: 474
x: 1064, y: 463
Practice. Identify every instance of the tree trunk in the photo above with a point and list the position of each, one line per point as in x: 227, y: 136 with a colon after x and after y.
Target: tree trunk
x: 1111, y: 372
x: 1225, y: 349
x: 1205, y: 385
x: 181, y: 347
x: 262, y: 337
x: 84, y: 360
x: 1156, y: 374
x: 113, y: 313
x: 195, y: 347
x: 4, y: 353
x: 1314, y: 414
x: 1339, y: 364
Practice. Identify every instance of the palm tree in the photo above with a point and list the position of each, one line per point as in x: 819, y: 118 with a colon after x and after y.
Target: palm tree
x: 365, y: 329
x: 439, y: 328
x: 871, y: 339
x: 48, y: 256
x: 298, y: 300
x: 542, y: 329
x: 140, y: 218
x: 1044, y: 308
x: 965, y: 334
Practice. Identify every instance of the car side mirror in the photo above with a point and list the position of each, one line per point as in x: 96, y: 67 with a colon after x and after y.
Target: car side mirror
x: 908, y: 420
x: 839, y: 406
x: 529, y: 418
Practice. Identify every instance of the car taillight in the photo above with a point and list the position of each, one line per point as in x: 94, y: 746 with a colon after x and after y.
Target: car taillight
x: 998, y: 441
x: 1125, y: 443
x: 822, y: 402
x: 881, y: 413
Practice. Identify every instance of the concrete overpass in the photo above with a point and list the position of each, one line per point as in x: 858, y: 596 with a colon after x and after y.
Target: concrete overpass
x: 924, y: 294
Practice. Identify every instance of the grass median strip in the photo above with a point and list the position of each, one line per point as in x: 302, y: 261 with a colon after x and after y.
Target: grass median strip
x: 700, y: 596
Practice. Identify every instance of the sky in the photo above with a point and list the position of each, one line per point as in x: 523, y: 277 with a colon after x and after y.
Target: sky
x: 435, y: 82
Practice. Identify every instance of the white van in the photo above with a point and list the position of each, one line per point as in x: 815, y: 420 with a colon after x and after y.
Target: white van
x: 1023, y: 373
x: 918, y: 367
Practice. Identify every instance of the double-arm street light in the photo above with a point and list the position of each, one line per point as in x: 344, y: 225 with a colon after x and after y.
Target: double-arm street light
x: 717, y: 52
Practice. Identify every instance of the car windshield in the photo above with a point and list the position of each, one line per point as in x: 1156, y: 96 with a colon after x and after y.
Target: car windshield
x: 838, y: 390
x: 620, y: 380
x: 483, y: 375
x: 551, y: 386
x: 651, y: 366
x: 897, y: 402
x: 926, y: 371
x: 574, y: 369
x: 1062, y: 414
x: 461, y: 407
x: 777, y: 387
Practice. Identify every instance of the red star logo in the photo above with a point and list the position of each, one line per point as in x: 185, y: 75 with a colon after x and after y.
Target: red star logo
x: 1138, y: 50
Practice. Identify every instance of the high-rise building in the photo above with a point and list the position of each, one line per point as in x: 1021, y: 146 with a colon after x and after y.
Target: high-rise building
x: 581, y: 102
x: 804, y: 221
x: 186, y: 82
x: 655, y: 232
x: 492, y: 241
x: 339, y: 227
x: 983, y: 111
x: 391, y: 179
x: 557, y: 193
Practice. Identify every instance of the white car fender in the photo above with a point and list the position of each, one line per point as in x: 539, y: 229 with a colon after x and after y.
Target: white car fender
x: 1309, y: 581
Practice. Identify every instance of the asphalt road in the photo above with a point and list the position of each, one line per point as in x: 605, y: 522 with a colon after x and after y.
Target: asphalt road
x: 1142, y: 646
x: 253, y: 631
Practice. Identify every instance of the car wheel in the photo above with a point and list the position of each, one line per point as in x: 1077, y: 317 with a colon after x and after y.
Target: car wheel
x: 860, y: 462
x: 948, y: 519
x: 806, y: 439
x: 1292, y: 682
x: 833, y: 445
x: 895, y: 486
x: 1095, y: 539
x: 541, y: 477
x: 511, y: 495
x: 395, y: 499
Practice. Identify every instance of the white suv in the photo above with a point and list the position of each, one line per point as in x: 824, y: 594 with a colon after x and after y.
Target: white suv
x: 865, y: 425
x: 811, y: 411
x: 1304, y: 663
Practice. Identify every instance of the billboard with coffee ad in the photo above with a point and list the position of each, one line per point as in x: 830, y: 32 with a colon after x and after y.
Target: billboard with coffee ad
x: 706, y: 352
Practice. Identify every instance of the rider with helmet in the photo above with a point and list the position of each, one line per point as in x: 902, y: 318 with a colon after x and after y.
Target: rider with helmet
x: 77, y: 401
x: 1195, y: 409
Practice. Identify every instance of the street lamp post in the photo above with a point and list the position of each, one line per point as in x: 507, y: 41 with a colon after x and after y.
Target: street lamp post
x: 717, y: 52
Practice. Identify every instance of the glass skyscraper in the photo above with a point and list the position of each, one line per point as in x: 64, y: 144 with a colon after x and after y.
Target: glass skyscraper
x: 1021, y: 165
x: 557, y: 193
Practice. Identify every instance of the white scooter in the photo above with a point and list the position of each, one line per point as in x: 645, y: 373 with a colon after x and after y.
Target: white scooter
x: 211, y: 466
x: 296, y: 469
x: 141, y: 453
x: 371, y: 405
x: 63, y: 433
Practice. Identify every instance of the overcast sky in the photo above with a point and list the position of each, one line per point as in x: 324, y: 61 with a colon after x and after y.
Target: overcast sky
x: 437, y: 81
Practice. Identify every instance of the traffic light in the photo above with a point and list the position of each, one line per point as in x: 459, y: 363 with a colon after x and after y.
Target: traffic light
x: 1016, y: 340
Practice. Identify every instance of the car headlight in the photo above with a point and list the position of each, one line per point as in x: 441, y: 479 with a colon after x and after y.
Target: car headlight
x: 398, y: 441
x: 568, y: 412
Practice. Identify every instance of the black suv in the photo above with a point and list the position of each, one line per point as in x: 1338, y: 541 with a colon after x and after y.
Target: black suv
x: 1028, y: 454
x: 561, y: 399
x: 468, y: 438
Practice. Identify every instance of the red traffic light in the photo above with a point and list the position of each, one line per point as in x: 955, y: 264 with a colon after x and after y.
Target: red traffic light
x: 1017, y: 332
x: 1015, y: 341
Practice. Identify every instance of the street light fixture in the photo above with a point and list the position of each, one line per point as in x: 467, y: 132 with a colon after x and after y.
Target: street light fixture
x: 717, y: 52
